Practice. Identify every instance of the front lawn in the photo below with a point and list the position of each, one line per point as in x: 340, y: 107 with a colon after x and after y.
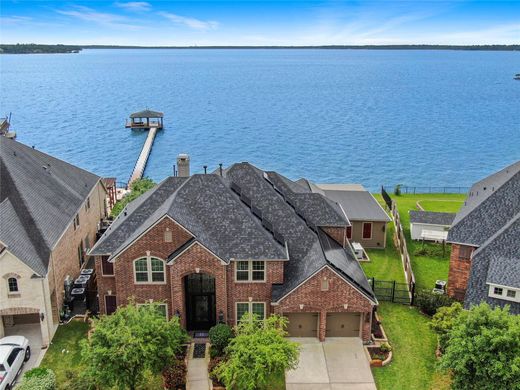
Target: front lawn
x: 431, y: 266
x: 64, y: 354
x: 413, y: 364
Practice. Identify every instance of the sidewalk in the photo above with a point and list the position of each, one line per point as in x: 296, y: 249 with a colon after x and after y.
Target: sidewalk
x: 198, y: 378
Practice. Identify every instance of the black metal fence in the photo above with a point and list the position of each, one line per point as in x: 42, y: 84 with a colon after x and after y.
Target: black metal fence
x: 386, y: 198
x: 432, y: 189
x: 393, y: 291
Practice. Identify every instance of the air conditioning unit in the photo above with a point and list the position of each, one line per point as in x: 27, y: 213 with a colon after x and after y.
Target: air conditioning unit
x: 359, y: 252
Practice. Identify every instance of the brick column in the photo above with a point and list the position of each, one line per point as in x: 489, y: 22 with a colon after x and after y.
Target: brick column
x: 323, y: 325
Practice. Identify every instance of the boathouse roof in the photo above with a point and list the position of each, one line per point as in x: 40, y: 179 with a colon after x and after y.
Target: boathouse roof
x: 147, y: 114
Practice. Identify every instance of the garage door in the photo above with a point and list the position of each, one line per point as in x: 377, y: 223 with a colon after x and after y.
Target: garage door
x: 302, y: 324
x: 343, y: 324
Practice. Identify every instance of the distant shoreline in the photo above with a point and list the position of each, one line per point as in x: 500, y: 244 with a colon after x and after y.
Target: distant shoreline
x: 44, y: 49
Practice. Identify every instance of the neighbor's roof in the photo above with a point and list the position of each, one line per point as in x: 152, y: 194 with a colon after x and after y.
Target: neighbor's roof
x: 147, y: 114
x: 355, y: 200
x: 489, y: 215
x: 503, y: 253
x: 229, y: 215
x: 482, y: 189
x: 431, y: 217
x: 39, y: 197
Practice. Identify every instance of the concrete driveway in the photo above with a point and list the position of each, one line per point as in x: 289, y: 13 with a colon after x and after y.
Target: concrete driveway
x: 33, y: 333
x: 339, y: 363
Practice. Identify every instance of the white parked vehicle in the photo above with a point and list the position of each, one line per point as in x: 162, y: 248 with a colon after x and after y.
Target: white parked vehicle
x: 14, y: 352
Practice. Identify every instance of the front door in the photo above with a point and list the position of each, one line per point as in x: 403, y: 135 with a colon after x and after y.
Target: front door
x: 200, y: 301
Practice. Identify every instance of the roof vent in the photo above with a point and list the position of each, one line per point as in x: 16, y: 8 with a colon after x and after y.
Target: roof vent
x: 256, y: 211
x: 244, y: 198
x: 235, y: 188
x: 268, y: 225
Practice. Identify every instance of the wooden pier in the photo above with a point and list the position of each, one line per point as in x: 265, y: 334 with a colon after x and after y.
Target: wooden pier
x: 152, y: 127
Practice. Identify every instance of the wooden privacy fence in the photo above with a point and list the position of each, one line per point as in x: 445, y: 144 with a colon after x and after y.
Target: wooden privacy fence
x: 400, y: 244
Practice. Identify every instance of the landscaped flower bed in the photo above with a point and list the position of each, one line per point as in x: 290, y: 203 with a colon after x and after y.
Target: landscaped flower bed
x: 174, y: 375
x: 378, y: 334
x: 380, y: 355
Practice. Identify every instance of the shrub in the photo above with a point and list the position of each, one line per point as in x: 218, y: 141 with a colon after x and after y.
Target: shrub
x: 397, y: 190
x: 431, y: 250
x: 443, y: 321
x: 175, y: 374
x: 213, y: 363
x: 137, y: 188
x: 385, y: 347
x: 259, y: 352
x: 38, y: 379
x: 429, y: 302
x: 220, y: 336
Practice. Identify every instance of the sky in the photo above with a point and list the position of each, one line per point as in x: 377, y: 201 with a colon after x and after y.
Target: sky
x: 189, y: 23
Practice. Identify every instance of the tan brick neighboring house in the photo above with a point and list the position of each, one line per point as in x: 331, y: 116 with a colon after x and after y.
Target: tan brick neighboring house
x: 485, y: 238
x: 367, y: 218
x: 49, y: 215
x: 212, y: 247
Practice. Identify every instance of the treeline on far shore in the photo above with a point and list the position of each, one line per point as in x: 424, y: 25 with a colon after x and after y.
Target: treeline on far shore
x: 31, y: 48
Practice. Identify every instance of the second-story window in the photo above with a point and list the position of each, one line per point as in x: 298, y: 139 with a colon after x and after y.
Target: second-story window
x: 250, y: 271
x: 149, y: 270
x: 76, y: 221
x: 12, y: 284
x: 106, y: 266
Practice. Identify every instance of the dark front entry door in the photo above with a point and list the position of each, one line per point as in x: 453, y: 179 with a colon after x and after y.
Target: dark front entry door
x: 200, y: 301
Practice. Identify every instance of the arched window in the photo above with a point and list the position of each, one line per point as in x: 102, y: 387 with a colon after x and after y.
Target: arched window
x: 149, y: 270
x: 12, y: 284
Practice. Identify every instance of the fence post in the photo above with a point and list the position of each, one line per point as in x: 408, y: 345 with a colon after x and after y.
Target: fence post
x: 393, y: 292
x: 373, y: 283
x: 412, y: 301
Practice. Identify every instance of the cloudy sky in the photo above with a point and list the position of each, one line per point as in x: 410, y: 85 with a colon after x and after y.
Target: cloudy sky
x: 260, y: 23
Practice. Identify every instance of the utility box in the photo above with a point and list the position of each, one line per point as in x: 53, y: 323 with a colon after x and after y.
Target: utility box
x: 358, y: 250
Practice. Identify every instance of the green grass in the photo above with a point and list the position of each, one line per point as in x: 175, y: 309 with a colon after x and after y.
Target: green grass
x: 385, y: 264
x: 427, y: 269
x: 413, y: 364
x: 444, y: 206
x: 64, y: 354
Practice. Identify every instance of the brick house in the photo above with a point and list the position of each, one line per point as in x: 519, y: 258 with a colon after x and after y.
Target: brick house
x: 49, y: 213
x: 485, y: 238
x: 367, y: 218
x: 212, y: 247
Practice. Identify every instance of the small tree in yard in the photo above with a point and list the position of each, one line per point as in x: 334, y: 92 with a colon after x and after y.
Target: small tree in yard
x: 126, y: 345
x: 259, y: 353
x: 443, y: 321
x: 483, y: 349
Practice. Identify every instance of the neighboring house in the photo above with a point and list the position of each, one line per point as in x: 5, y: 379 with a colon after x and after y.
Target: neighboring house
x: 213, y: 247
x: 367, y: 217
x: 49, y: 212
x: 485, y: 237
x: 430, y: 225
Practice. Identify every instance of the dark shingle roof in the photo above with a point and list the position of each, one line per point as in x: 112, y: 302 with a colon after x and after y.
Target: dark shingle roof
x: 39, y: 196
x: 204, y: 204
x: 431, y: 217
x: 147, y: 114
x: 489, y: 216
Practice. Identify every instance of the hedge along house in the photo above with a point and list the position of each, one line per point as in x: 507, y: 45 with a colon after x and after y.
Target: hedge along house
x: 49, y: 216
x: 485, y: 238
x: 213, y: 247
x: 367, y: 218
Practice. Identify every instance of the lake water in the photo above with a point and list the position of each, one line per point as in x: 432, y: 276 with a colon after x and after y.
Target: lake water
x: 423, y: 118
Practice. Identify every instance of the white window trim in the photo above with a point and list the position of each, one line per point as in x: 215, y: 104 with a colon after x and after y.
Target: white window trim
x: 250, y: 272
x: 13, y: 293
x: 148, y: 258
x: 363, y: 230
x: 505, y: 289
x: 250, y: 309
x: 158, y: 304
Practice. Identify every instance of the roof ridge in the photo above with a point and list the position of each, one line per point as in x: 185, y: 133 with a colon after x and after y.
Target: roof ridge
x: 497, y: 234
x: 488, y: 199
